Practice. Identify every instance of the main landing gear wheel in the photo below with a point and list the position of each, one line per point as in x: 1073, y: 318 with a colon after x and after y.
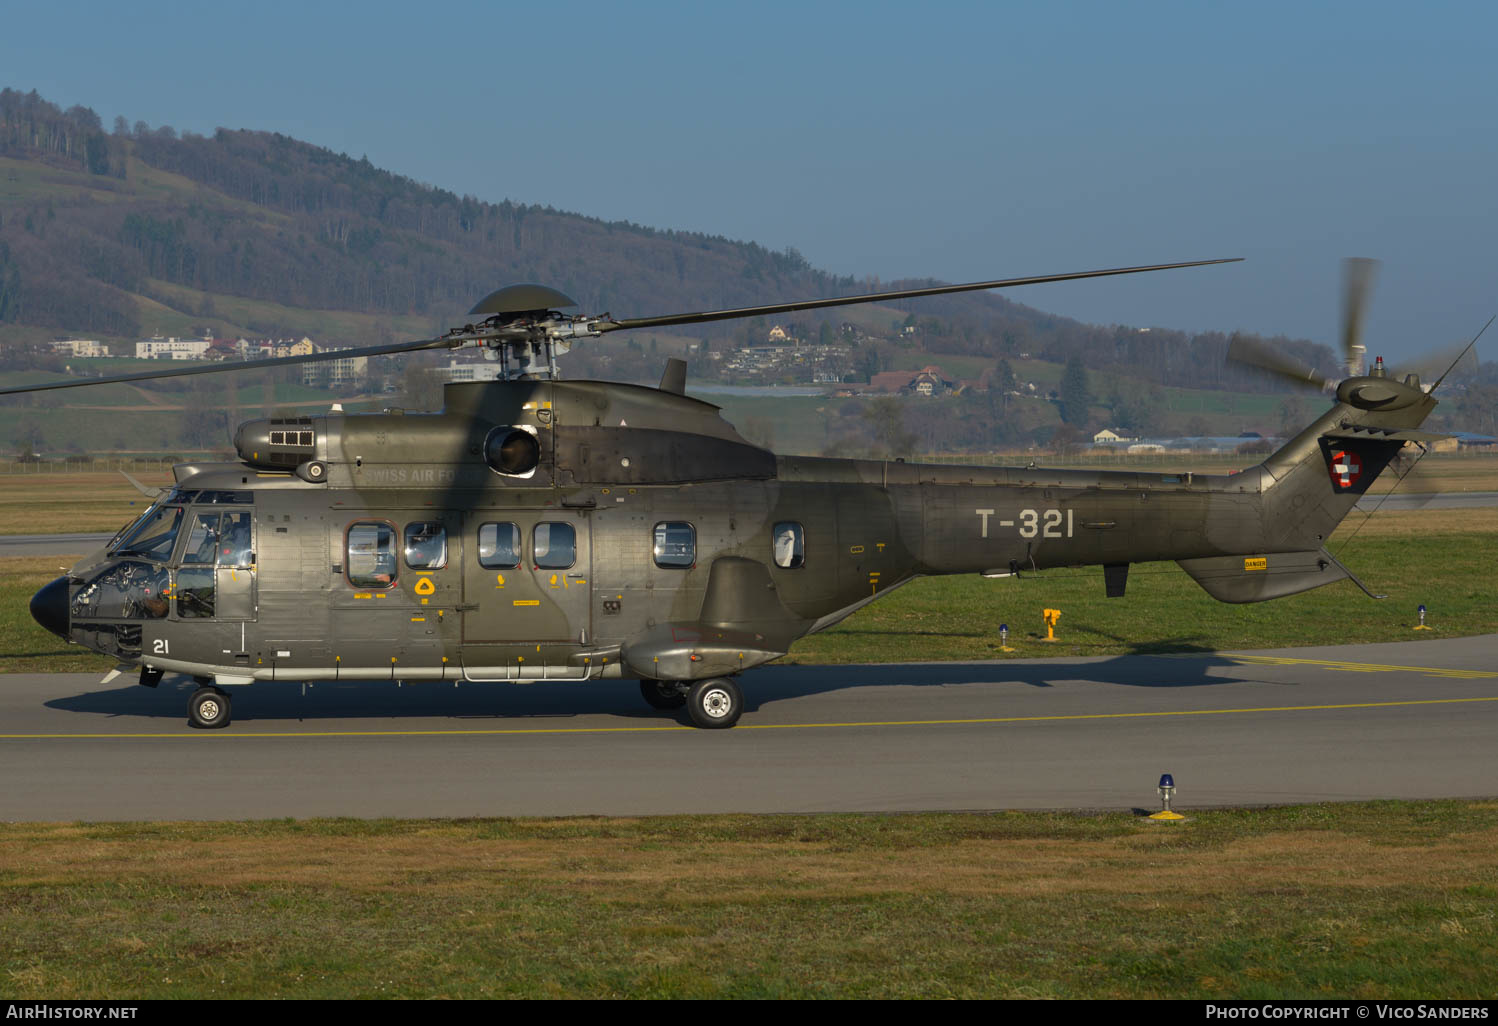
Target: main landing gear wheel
x: 208, y: 708
x: 715, y: 703
x: 663, y: 694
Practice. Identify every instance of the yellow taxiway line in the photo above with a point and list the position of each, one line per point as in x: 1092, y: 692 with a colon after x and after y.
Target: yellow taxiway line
x: 752, y: 726
x: 1336, y: 664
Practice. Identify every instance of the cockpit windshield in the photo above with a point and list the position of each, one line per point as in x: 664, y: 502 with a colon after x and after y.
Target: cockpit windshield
x: 153, y: 535
x: 125, y: 531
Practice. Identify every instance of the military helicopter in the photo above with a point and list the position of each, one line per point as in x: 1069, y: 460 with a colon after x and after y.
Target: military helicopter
x: 540, y: 530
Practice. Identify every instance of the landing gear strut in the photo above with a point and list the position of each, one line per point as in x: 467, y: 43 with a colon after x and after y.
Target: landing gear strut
x: 663, y: 694
x: 208, y: 708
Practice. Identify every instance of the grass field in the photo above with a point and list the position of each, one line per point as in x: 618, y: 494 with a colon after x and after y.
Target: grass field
x: 1359, y: 900
x: 72, y: 503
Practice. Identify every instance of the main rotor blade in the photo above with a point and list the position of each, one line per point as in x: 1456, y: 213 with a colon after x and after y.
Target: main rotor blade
x: 1476, y: 363
x: 235, y: 365
x: 1252, y: 353
x: 1357, y: 286
x: 1434, y: 364
x: 878, y: 297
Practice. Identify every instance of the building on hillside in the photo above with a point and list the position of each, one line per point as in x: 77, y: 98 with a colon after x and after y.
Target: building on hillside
x: 279, y: 348
x: 344, y: 372
x: 86, y: 349
x: 470, y: 370
x: 1108, y: 435
x: 158, y: 348
x: 928, y: 381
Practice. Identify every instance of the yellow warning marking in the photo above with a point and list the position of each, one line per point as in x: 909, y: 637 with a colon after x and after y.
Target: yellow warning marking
x: 855, y: 550
x: 203, y: 736
x: 425, y: 587
x: 418, y: 619
x: 362, y: 595
x: 527, y: 602
x: 499, y: 580
x: 1336, y: 664
x: 1256, y: 564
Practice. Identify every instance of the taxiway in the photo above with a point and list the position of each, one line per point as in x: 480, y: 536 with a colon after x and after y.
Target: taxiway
x: 1409, y: 720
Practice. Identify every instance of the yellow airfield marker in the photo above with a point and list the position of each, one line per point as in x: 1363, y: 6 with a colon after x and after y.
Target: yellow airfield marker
x: 1050, y: 616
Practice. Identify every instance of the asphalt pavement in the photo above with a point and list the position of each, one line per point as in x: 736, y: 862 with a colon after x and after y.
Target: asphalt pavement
x: 1408, y: 720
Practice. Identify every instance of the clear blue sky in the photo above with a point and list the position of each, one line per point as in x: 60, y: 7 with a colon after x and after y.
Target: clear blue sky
x: 955, y: 140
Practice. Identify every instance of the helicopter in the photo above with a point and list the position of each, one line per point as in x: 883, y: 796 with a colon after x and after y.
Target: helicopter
x: 542, y: 530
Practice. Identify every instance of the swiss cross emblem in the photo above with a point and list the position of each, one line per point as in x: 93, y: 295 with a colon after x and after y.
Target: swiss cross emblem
x: 1346, y: 468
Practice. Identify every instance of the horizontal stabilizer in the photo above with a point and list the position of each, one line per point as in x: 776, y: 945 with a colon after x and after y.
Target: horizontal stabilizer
x: 1257, y: 578
x: 1363, y: 433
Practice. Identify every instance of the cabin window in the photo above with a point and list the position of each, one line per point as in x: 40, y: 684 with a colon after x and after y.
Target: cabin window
x: 675, y: 545
x: 426, y: 545
x: 788, y: 539
x: 555, y: 546
x: 499, y: 546
x: 371, y: 555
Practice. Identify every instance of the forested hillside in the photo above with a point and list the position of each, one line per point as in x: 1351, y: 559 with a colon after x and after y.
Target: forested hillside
x: 115, y: 232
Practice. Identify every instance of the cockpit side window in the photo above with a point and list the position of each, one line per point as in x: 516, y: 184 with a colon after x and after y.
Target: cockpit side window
x: 788, y: 540
x: 219, y: 538
x: 202, y: 541
x: 234, y: 544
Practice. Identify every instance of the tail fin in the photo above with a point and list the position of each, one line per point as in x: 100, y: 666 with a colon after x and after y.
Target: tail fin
x: 1311, y: 484
x: 1319, y: 475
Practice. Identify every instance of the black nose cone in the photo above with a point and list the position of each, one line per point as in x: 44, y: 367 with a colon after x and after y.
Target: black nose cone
x: 49, y: 607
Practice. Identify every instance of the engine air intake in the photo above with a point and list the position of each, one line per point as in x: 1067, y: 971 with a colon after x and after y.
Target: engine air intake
x: 512, y: 451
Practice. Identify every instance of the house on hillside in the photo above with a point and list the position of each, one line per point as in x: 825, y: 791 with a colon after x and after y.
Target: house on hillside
x: 928, y: 381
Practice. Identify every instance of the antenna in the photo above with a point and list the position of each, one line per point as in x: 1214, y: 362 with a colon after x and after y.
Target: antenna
x: 1463, y: 353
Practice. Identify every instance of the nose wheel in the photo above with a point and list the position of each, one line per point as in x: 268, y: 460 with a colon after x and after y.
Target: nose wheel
x: 715, y: 703
x: 208, y: 708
